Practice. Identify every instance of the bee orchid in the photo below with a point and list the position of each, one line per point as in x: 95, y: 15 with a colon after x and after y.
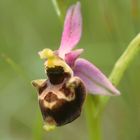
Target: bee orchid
x: 61, y: 96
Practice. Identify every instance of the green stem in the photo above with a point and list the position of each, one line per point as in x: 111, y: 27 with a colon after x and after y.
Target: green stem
x: 125, y: 60
x: 93, y: 121
x: 37, y: 127
x: 116, y: 75
x: 123, y: 63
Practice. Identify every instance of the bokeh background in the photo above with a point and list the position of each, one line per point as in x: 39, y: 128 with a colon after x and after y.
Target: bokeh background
x: 26, y: 27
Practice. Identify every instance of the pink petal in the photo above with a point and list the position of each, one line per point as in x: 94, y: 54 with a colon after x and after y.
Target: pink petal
x: 72, y: 29
x: 95, y: 81
x: 72, y: 56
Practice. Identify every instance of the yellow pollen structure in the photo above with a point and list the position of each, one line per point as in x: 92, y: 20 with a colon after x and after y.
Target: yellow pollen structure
x: 46, y: 54
x: 53, y: 60
x: 49, y: 55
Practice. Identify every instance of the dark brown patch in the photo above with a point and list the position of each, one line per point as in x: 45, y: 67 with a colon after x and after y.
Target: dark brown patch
x: 65, y: 112
x: 65, y: 90
x: 50, y: 97
x: 56, y: 75
x: 59, y: 103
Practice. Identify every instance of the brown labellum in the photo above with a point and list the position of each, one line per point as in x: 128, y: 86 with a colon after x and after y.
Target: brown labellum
x: 60, y: 101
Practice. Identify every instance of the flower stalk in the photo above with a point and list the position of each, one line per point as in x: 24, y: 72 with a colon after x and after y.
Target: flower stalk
x: 93, y: 121
x: 123, y: 63
x: 125, y: 60
x: 116, y: 75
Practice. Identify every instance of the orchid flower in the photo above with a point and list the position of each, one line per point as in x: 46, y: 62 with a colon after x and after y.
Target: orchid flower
x: 61, y: 96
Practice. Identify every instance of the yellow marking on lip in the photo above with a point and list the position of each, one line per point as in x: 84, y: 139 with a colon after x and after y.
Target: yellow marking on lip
x: 49, y: 105
x: 60, y: 95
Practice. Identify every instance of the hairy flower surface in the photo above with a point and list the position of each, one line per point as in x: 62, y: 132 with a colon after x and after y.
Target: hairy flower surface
x: 61, y: 96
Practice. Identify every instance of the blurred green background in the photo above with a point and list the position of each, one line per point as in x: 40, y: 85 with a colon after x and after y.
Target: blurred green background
x: 26, y: 27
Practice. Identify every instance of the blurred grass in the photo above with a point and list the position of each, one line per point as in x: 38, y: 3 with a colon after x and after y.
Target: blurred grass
x: 27, y: 26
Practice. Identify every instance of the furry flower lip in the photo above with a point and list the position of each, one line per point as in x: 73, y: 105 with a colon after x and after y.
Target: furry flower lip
x: 62, y: 95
